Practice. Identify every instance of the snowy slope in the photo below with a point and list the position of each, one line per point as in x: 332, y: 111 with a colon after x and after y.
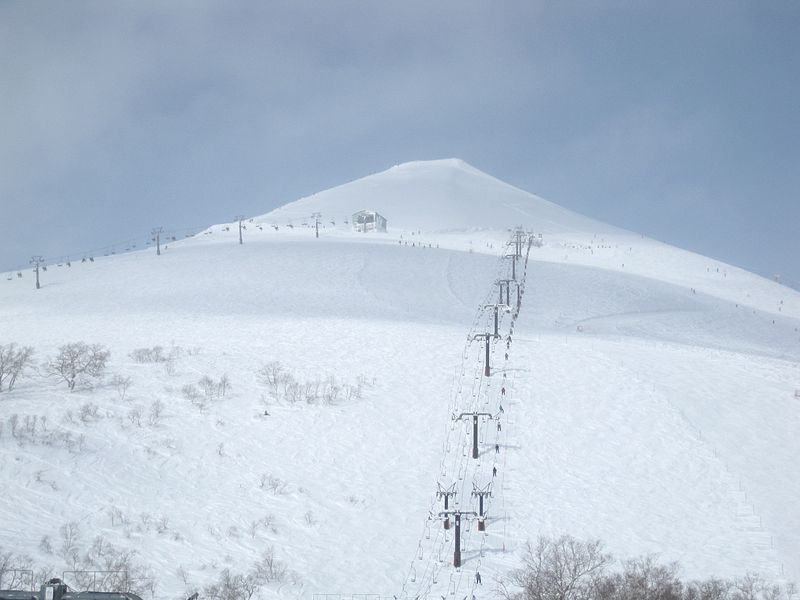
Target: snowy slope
x: 450, y: 199
x: 650, y: 396
x: 439, y: 195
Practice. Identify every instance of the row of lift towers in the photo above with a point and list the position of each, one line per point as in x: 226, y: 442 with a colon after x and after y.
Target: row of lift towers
x: 503, y: 304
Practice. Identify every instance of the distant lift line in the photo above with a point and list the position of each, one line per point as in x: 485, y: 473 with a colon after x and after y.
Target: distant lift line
x: 239, y: 218
x: 156, y: 237
x: 36, y: 261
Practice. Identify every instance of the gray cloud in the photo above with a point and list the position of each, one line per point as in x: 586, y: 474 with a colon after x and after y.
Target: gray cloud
x: 675, y: 119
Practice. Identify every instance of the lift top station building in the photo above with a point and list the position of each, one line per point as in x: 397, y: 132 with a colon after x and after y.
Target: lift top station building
x: 368, y: 220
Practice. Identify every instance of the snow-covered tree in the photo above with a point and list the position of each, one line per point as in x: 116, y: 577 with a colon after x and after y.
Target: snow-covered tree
x: 14, y: 360
x: 78, y: 362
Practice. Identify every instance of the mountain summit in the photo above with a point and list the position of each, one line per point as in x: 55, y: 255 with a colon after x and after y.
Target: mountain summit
x: 439, y: 195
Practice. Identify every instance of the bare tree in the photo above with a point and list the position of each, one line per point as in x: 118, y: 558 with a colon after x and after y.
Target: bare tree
x: 269, y: 568
x: 69, y: 538
x: 710, y: 589
x: 269, y: 374
x: 753, y: 587
x: 643, y: 577
x: 224, y: 385
x: 559, y: 569
x: 14, y: 361
x: 243, y: 586
x: 568, y: 569
x: 232, y: 586
x: 77, y: 362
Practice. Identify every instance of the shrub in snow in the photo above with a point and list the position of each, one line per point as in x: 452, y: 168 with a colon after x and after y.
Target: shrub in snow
x: 206, y: 390
x: 88, y: 412
x: 274, y: 484
x: 190, y: 392
x: 78, y: 362
x: 14, y: 361
x: 208, y: 386
x: 162, y: 525
x: 223, y: 385
x: 243, y: 586
x: 156, y: 410
x: 148, y: 355
x: 13, y: 422
x: 121, y: 385
x: 135, y: 415
x: 45, y: 545
x: 283, y: 386
x: 568, y: 569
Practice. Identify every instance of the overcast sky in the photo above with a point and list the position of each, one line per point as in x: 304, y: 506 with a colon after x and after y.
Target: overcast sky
x: 675, y: 119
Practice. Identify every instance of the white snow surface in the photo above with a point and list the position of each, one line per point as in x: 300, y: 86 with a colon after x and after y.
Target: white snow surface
x: 650, y: 397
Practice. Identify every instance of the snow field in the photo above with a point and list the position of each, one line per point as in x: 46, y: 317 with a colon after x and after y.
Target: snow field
x: 346, y: 466
x: 650, y: 398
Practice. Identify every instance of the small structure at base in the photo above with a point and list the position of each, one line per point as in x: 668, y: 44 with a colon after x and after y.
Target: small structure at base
x: 368, y: 220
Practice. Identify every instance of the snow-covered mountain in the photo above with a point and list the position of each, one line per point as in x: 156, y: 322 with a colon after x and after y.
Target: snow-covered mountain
x: 649, y: 397
x: 440, y: 195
